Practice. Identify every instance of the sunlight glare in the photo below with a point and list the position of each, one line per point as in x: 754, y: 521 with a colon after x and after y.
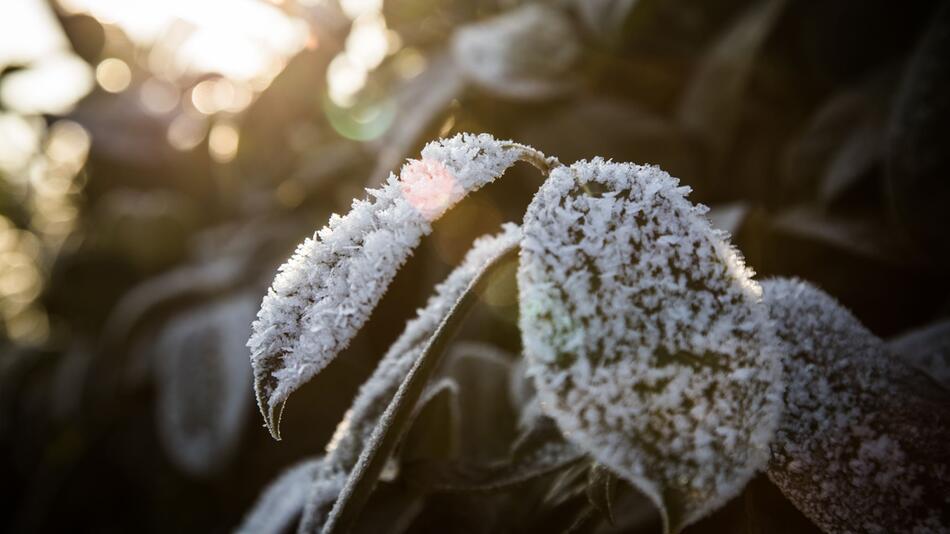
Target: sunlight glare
x: 113, y: 75
x: 158, y: 97
x: 186, y: 131
x: 223, y: 141
x: 53, y: 85
x: 239, y: 39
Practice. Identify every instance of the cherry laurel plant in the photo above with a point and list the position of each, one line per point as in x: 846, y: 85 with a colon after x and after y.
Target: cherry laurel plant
x: 651, y: 351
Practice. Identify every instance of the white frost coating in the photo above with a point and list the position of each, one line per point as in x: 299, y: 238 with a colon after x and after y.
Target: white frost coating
x: 928, y: 349
x: 361, y: 419
x: 327, y: 290
x: 646, y: 337
x: 523, y: 53
x: 282, y: 501
x: 862, y: 446
x: 376, y: 392
x: 204, y: 383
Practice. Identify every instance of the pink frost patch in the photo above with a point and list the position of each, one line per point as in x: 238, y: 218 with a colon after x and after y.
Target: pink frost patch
x: 430, y: 187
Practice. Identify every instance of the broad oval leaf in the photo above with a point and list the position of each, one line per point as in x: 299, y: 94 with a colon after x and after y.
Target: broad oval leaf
x: 645, y: 335
x: 355, y: 434
x: 204, y: 383
x: 523, y: 53
x: 862, y: 446
x: 328, y: 288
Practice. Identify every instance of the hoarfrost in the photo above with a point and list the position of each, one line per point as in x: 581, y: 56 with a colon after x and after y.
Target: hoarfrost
x: 862, y: 446
x: 646, y: 337
x: 355, y: 431
x: 327, y: 290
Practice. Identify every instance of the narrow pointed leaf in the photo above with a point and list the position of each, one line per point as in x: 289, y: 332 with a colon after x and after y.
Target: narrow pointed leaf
x: 862, y: 446
x: 355, y: 433
x: 392, y: 423
x: 645, y: 335
x: 327, y: 290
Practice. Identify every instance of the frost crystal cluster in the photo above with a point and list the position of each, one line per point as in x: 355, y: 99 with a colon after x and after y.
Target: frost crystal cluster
x: 645, y: 335
x: 645, y: 338
x: 326, y: 291
x: 356, y: 429
x: 863, y: 446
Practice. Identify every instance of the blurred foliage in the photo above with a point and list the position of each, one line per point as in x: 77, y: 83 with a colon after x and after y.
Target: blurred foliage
x: 136, y: 224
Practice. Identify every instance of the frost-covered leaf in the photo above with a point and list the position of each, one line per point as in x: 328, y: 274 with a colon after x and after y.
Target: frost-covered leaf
x: 364, y: 424
x: 327, y: 290
x: 525, y: 53
x: 283, y: 500
x: 645, y: 335
x: 928, y: 349
x: 917, y: 155
x: 204, y: 383
x: 712, y: 103
x: 862, y: 446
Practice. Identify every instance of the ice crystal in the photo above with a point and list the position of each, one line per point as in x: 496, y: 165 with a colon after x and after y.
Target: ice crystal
x: 329, y: 287
x: 646, y: 336
x: 862, y: 446
x: 355, y: 431
x: 203, y: 383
